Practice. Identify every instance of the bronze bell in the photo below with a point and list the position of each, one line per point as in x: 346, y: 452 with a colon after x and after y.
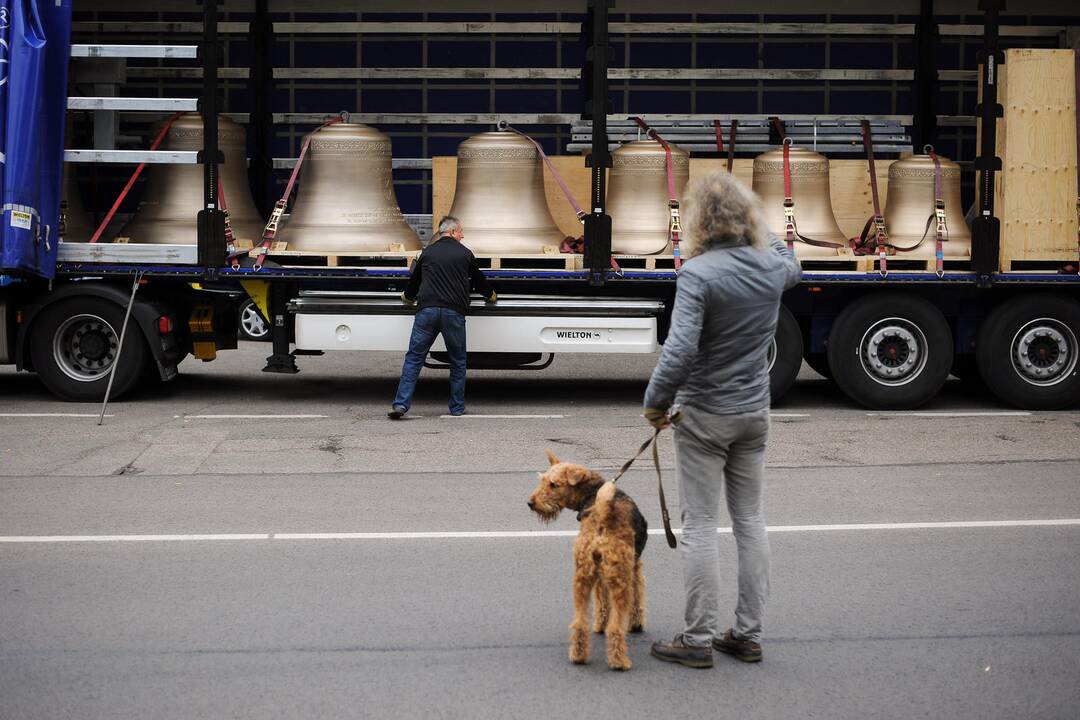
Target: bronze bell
x: 910, y: 207
x: 810, y: 191
x: 77, y: 225
x: 174, y: 193
x: 346, y: 201
x: 499, y: 197
x: 637, y: 197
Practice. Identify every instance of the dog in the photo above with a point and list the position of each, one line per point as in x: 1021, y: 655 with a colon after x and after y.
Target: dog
x: 607, y: 556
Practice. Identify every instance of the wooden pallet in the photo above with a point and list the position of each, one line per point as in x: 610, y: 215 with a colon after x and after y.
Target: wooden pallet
x: 1040, y: 266
x: 662, y: 263
x: 529, y: 261
x: 298, y: 258
x: 897, y: 263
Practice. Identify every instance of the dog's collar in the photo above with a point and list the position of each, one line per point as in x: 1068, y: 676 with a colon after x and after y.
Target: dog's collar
x: 587, y: 502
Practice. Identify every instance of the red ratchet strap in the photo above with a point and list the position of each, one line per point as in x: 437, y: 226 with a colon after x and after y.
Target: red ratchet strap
x: 503, y: 125
x: 939, y: 212
x: 731, y: 142
x: 270, y: 231
x: 131, y: 181
x: 881, y: 235
x: 675, y: 228
x: 230, y: 239
x: 791, y: 227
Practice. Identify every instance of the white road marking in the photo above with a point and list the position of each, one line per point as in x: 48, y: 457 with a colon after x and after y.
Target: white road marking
x: 503, y: 534
x: 250, y: 417
x: 41, y: 415
x: 469, y: 416
x: 1002, y: 413
x: 788, y: 415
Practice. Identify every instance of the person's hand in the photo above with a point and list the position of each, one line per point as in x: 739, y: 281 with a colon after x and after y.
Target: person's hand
x: 407, y: 300
x: 657, y: 418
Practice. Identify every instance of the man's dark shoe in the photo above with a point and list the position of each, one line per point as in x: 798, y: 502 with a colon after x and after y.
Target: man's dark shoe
x: 745, y: 650
x: 396, y: 413
x: 688, y: 655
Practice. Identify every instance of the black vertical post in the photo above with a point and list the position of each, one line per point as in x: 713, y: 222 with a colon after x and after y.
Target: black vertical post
x: 594, y: 79
x: 926, y: 76
x: 211, y: 220
x: 986, y: 229
x: 262, y: 124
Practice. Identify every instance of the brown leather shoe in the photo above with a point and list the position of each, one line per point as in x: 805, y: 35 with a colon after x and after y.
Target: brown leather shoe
x: 745, y: 650
x: 688, y: 655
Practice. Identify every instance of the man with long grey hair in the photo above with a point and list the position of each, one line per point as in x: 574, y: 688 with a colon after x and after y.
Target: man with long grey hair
x: 712, y: 384
x: 441, y: 280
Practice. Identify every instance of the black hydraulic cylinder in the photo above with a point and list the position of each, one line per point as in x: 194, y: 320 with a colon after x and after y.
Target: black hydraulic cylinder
x: 281, y: 327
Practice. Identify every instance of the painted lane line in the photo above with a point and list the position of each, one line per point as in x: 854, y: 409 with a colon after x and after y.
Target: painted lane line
x: 1003, y: 413
x: 51, y: 415
x: 468, y: 416
x: 788, y: 415
x: 507, y: 534
x: 250, y: 417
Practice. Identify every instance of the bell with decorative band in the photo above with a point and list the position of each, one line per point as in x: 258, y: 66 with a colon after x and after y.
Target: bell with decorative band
x: 346, y: 201
x: 499, y: 197
x: 174, y: 193
x: 637, y: 196
x: 909, y: 209
x: 810, y: 192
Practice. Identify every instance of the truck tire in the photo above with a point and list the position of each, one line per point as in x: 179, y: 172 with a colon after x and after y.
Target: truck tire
x: 785, y: 354
x: 1028, y: 352
x: 73, y: 345
x: 890, y: 351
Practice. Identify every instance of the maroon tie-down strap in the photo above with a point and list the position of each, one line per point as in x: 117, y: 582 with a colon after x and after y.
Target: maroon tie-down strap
x: 675, y: 226
x: 791, y: 227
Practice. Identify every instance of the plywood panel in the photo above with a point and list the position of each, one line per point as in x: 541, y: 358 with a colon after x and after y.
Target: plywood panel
x: 1035, y: 196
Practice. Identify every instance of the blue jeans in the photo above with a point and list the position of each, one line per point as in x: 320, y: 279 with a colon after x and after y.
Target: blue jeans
x: 429, y: 323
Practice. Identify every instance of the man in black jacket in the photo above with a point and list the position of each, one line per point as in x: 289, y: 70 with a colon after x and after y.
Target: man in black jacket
x: 441, y: 280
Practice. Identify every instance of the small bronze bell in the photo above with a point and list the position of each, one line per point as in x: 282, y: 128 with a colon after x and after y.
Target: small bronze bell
x: 813, y: 212
x: 637, y: 197
x: 174, y: 193
x: 76, y: 225
x: 346, y: 201
x: 499, y: 197
x: 910, y: 213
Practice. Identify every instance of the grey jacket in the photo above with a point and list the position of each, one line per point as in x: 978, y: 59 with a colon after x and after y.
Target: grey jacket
x: 726, y: 305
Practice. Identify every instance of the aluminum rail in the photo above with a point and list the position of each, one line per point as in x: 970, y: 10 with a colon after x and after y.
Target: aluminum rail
x: 132, y: 157
x: 134, y: 51
x: 134, y: 104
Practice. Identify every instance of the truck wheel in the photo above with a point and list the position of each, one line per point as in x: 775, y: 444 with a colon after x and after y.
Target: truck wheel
x: 1028, y: 353
x: 785, y: 354
x: 252, y: 325
x: 73, y: 345
x: 890, y: 352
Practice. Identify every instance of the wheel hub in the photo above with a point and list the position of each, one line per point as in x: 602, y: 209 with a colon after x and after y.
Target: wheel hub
x: 84, y: 347
x: 893, y: 351
x: 1044, y: 352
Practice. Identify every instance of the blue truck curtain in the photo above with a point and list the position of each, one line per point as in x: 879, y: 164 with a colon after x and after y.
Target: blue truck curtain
x: 35, y: 47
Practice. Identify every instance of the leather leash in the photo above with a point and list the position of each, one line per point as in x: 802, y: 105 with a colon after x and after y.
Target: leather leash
x: 672, y: 543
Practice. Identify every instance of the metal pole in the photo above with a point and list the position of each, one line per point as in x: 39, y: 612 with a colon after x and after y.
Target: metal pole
x: 597, y: 222
x: 986, y: 229
x: 211, y: 221
x: 120, y: 349
x: 262, y: 32
x: 926, y: 76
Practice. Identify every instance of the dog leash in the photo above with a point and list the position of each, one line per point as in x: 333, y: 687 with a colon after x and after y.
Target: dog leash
x: 659, y: 482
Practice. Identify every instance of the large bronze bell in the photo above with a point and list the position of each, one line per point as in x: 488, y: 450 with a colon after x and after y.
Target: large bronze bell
x: 909, y: 209
x: 346, y: 201
x: 637, y: 197
x: 810, y: 191
x: 77, y: 226
x: 174, y: 193
x: 499, y: 197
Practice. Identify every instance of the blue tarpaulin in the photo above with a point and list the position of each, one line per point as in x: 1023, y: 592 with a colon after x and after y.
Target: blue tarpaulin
x: 33, y: 102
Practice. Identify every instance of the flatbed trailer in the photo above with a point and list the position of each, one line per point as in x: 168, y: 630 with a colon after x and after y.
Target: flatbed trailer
x: 889, y: 341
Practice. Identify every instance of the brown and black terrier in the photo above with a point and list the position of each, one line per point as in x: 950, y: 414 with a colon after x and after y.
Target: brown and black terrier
x: 607, y: 555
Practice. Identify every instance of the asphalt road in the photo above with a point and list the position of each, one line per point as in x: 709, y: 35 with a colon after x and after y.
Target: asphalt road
x: 313, y: 559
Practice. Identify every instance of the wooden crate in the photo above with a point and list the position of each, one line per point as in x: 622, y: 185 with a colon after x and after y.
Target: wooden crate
x: 1035, y: 194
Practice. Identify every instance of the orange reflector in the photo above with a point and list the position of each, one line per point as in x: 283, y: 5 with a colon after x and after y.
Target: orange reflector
x: 813, y: 289
x: 164, y: 325
x: 18, y: 317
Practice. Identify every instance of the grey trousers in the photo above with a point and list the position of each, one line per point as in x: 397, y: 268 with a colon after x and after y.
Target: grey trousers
x: 717, y: 454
